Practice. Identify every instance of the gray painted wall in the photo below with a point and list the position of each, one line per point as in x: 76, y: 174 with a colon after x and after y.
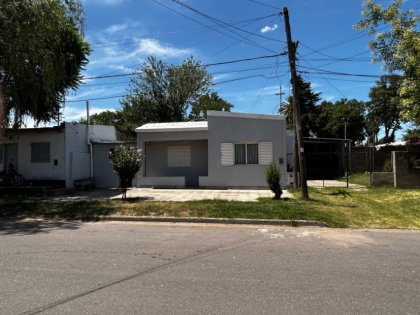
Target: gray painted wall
x: 102, y: 167
x: 157, y: 160
x: 237, y: 129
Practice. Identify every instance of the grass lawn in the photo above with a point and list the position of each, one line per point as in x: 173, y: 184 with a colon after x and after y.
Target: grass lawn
x: 358, y: 178
x: 338, y: 207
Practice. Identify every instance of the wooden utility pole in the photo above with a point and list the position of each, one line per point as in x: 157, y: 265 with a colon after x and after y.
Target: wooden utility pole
x: 291, y: 48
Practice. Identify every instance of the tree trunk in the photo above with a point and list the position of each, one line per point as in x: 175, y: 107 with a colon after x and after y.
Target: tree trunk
x: 2, y: 111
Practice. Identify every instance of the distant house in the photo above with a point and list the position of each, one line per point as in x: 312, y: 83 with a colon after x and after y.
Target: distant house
x: 227, y: 150
x: 61, y: 155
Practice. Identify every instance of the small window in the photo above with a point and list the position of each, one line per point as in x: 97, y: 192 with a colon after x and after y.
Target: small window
x: 246, y: 153
x: 252, y: 153
x: 40, y: 152
x: 179, y: 156
x: 240, y: 154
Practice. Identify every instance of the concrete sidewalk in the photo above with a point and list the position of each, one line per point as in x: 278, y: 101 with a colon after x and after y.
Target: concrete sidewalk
x: 151, y: 194
x: 332, y: 183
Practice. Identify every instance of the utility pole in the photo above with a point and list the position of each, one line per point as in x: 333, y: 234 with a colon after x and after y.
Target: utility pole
x: 291, y: 47
x: 280, y: 94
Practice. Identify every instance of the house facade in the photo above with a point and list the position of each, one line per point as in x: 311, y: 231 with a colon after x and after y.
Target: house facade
x: 228, y: 150
x: 61, y: 154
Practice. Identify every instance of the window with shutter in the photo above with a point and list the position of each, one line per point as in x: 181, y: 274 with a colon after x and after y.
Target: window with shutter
x: 40, y: 152
x: 265, y: 153
x: 179, y: 156
x: 227, y: 154
x: 252, y: 153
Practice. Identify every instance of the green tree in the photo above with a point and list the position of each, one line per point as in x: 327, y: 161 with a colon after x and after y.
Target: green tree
x: 42, y: 52
x: 385, y: 105
x: 126, y: 162
x: 164, y: 93
x: 398, y: 49
x: 308, y: 101
x: 272, y: 177
x: 334, y: 119
x: 412, y: 136
x: 209, y: 101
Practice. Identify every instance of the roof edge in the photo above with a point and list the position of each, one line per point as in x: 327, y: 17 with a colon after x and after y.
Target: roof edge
x: 215, y: 113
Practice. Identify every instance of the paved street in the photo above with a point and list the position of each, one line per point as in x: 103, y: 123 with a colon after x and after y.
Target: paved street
x: 133, y: 268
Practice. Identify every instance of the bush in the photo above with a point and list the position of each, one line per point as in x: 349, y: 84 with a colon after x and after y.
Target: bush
x: 126, y: 162
x: 272, y: 177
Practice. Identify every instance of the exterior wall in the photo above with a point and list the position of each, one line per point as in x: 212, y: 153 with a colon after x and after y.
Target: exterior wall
x: 53, y: 170
x: 156, y: 164
x: 150, y: 137
x: 382, y: 179
x: 102, y: 167
x: 77, y: 149
x: 404, y: 176
x: 222, y: 129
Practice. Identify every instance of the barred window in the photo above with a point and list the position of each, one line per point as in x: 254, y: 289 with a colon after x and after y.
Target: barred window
x: 40, y: 152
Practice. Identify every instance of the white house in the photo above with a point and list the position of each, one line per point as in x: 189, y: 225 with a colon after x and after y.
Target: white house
x: 61, y: 154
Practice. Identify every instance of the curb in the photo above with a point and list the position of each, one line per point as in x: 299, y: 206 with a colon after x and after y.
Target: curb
x: 292, y: 223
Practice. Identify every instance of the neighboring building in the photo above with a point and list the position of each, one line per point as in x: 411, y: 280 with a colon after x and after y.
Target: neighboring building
x: 61, y: 155
x: 227, y: 150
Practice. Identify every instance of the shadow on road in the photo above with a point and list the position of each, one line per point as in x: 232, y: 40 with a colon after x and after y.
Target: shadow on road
x: 30, y: 227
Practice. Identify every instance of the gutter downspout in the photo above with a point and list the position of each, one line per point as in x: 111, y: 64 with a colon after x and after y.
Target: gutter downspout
x: 88, y: 139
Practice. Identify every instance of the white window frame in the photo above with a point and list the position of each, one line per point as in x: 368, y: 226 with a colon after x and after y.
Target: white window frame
x: 246, y: 152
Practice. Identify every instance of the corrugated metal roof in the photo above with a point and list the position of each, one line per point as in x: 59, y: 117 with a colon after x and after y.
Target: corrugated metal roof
x: 174, y: 126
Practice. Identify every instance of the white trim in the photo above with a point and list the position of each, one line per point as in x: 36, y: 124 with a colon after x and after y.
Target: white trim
x: 174, y: 126
x: 215, y: 113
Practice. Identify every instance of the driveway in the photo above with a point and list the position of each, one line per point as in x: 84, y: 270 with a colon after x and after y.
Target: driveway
x: 151, y: 194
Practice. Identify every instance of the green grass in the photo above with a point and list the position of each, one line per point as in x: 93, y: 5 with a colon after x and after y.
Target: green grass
x: 358, y: 178
x: 368, y: 208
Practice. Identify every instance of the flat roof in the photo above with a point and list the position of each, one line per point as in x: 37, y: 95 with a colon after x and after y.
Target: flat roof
x: 244, y: 115
x: 174, y: 126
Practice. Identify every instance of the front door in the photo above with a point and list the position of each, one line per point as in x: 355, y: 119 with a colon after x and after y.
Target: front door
x: 11, y: 155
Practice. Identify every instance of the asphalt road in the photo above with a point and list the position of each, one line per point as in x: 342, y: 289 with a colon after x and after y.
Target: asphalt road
x: 132, y: 268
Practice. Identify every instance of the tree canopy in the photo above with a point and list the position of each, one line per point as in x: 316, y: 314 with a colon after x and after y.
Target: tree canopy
x: 385, y: 106
x: 42, y: 52
x: 308, y: 101
x: 398, y: 49
x: 164, y: 93
x: 209, y: 101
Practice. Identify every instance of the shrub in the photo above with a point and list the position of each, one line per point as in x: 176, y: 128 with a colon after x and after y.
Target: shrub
x: 126, y: 162
x: 272, y: 177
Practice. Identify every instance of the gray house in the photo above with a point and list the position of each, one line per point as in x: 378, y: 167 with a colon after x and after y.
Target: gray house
x: 227, y: 150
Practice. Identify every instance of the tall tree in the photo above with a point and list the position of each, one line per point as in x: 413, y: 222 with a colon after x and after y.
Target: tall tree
x: 385, y: 105
x: 398, y: 49
x: 343, y: 118
x: 308, y: 101
x: 42, y: 52
x: 164, y: 93
x: 209, y: 101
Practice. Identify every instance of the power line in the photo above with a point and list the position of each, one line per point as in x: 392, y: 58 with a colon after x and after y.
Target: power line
x: 104, y: 44
x: 206, y: 65
x: 265, y: 4
x: 216, y: 83
x: 249, y: 42
x: 227, y: 25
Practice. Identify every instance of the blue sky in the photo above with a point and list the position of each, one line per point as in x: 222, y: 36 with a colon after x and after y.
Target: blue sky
x: 124, y: 32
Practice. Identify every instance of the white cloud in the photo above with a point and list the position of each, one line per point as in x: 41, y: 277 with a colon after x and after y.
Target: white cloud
x: 116, y: 57
x: 151, y: 46
x: 104, y: 2
x: 115, y: 28
x: 267, y: 28
x: 73, y: 113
